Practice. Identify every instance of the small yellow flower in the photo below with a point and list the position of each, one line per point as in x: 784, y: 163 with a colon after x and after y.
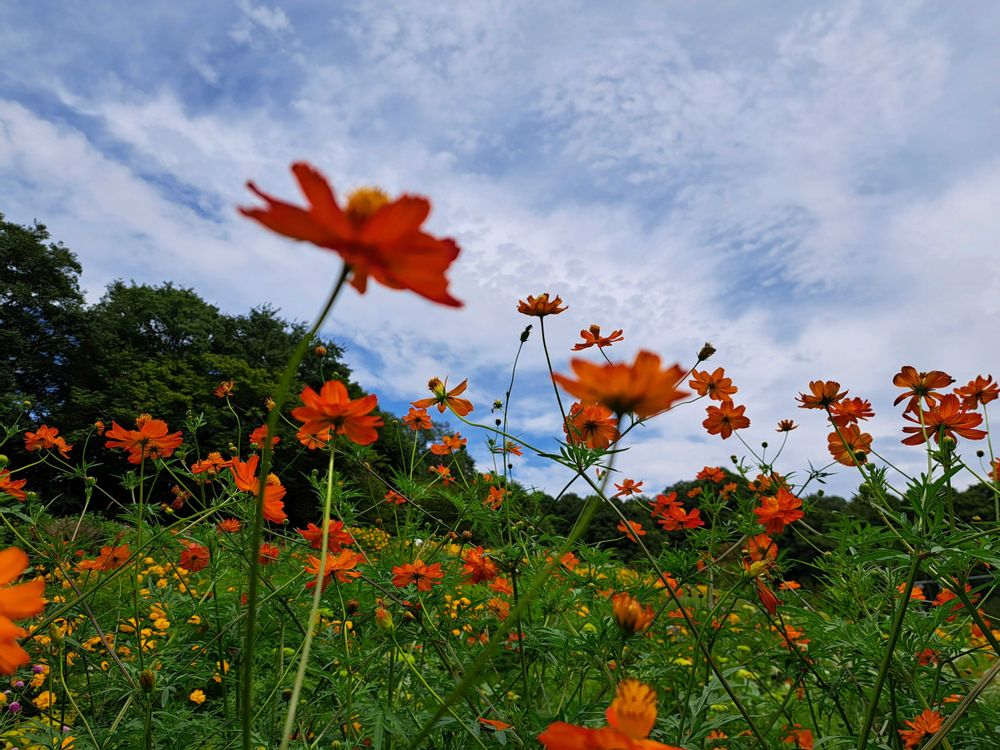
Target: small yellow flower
x: 197, y: 696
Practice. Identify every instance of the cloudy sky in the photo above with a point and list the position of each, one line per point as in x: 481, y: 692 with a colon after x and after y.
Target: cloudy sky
x: 812, y: 187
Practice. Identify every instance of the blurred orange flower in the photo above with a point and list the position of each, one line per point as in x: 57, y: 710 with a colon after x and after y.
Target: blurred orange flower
x: 777, y: 511
x: 13, y: 487
x: 630, y: 720
x: 478, y: 567
x: 417, y: 419
x: 333, y: 410
x: 194, y: 557
x: 631, y: 529
x: 112, y: 558
x: 449, y: 444
x: 642, y: 388
x: 376, y: 237
x: 149, y: 441
x: 16, y: 603
x: 715, y: 385
x: 979, y: 391
x: 338, y: 537
x: 628, y: 487
x: 927, y: 722
x: 630, y: 614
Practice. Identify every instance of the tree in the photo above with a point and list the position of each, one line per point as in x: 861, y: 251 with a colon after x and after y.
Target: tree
x: 41, y: 307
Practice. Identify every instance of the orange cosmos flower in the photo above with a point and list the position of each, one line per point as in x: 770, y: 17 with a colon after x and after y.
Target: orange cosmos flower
x: 394, y: 498
x: 593, y: 425
x: 540, y: 306
x: 631, y: 529
x: 822, y: 394
x: 13, y: 487
x: 715, y: 385
x: 511, y: 448
x: 229, y: 526
x: 46, y: 438
x: 149, y: 441
x: 777, y: 511
x: 593, y: 337
x: 417, y: 419
x: 725, y: 419
x: 928, y: 722
x: 786, y: 425
x: 423, y: 575
x: 642, y: 388
x: 920, y: 385
x: 761, y: 548
x: 269, y: 553
x: 449, y: 444
x: 194, y: 557
x: 630, y: 720
x: 947, y: 418
x: 338, y: 537
x: 245, y: 475
x: 979, y: 391
x: 258, y: 436
x: 212, y: 464
x: 443, y: 398
x: 675, y: 518
x: 478, y: 567
x: 712, y: 473
x: 16, y: 603
x: 112, y: 558
x: 850, y: 446
x: 850, y: 411
x: 630, y: 615
x: 333, y: 410
x: 628, y: 487
x: 801, y: 738
x: 376, y: 237
x: 495, y: 499
x: 224, y: 388
x: 444, y: 474
x: 495, y: 724
x: 342, y: 565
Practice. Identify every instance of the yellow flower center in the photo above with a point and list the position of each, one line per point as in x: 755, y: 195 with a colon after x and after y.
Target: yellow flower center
x: 364, y: 202
x: 142, y: 419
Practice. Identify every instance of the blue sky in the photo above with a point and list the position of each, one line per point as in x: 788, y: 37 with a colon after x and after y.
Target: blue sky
x: 812, y: 187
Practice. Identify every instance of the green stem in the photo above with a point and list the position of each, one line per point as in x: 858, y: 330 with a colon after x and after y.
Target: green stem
x: 256, y: 535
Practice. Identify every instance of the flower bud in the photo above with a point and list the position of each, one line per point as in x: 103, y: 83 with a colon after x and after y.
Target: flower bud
x: 147, y: 680
x: 630, y: 616
x: 320, y: 351
x: 383, y: 619
x: 705, y: 352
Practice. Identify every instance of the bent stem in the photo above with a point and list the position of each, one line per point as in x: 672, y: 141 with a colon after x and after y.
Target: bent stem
x: 257, y: 533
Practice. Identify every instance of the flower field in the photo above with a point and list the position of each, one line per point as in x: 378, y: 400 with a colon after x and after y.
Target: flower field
x: 433, y: 603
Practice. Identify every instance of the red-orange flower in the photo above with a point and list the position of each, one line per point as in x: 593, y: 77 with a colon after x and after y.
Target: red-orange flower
x: 920, y: 386
x: 338, y: 537
x: 642, y: 388
x: 149, y: 441
x: 229, y: 526
x: 928, y: 722
x: 495, y: 724
x: 593, y: 337
x: 675, y: 518
x: 212, y: 464
x: 979, y: 391
x: 630, y: 614
x: 16, y: 603
x: 224, y: 388
x: 478, y: 567
x: 445, y: 399
x: 332, y: 409
x: 715, y: 385
x: 821, y: 395
x: 269, y: 553
x: 850, y: 446
x: 712, y: 473
x: 631, y: 529
x: 494, y: 500
x: 725, y: 419
x: 767, y: 598
x: 630, y: 720
x: 46, y: 438
x: 194, y: 557
x: 540, y: 306
x: 449, y: 444
x: 417, y: 419
x: 444, y: 474
x: 947, y: 418
x: 245, y: 475
x: 112, y: 558
x: 420, y: 573
x: 777, y: 511
x: 258, y: 436
x: 628, y: 487
x: 850, y: 411
x: 593, y: 425
x: 342, y: 565
x: 761, y: 548
x: 13, y: 487
x: 394, y: 497
x: 801, y: 738
x: 375, y: 236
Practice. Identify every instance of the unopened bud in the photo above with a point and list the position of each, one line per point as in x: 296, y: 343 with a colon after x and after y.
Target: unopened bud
x: 525, y: 334
x: 466, y: 534
x: 269, y: 403
x: 383, y: 619
x: 352, y: 606
x: 320, y: 351
x: 147, y: 680
x: 3, y: 460
x: 705, y: 352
